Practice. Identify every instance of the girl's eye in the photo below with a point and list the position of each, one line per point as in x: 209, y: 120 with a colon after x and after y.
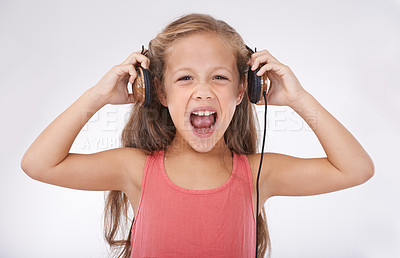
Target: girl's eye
x: 184, y: 78
x: 219, y: 77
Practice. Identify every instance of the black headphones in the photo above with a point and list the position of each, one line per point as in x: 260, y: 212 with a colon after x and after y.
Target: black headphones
x: 256, y: 85
x: 142, y: 84
x: 256, y: 91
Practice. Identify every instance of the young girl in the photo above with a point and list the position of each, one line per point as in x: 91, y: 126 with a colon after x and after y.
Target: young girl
x: 189, y: 165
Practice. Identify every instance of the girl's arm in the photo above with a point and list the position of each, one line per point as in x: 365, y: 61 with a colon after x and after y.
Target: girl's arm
x: 347, y: 164
x: 48, y: 158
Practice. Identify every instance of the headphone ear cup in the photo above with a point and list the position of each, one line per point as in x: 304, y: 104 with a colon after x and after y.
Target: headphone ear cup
x: 253, y: 86
x: 147, y: 87
x: 142, y: 86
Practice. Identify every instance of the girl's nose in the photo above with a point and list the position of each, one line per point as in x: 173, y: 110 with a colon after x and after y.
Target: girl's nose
x: 203, y: 91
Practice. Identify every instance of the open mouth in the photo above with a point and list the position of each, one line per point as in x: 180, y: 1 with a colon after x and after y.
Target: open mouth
x: 203, y: 121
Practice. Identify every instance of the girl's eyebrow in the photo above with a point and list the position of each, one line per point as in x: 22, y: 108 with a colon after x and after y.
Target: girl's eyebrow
x: 191, y: 70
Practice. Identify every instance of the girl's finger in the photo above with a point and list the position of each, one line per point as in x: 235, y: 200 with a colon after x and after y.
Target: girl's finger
x: 277, y: 68
x: 260, y: 60
x: 267, y: 53
x: 146, y: 62
x: 132, y: 73
x: 124, y: 69
x: 262, y: 57
x: 136, y: 58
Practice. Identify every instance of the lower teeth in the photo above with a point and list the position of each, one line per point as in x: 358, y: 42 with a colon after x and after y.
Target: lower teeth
x: 203, y: 130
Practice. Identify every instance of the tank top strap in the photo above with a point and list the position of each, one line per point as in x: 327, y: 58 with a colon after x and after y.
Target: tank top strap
x: 154, y: 162
x: 243, y: 168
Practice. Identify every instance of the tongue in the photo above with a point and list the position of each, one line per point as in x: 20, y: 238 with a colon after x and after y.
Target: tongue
x: 202, y: 121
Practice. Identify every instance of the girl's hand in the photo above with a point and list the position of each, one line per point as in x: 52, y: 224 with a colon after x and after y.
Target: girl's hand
x: 285, y: 89
x: 113, y: 87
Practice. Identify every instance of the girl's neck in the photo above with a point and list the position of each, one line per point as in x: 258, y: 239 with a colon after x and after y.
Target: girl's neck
x: 180, y: 155
x: 180, y: 147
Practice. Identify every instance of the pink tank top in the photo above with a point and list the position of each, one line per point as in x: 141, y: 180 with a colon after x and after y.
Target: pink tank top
x: 172, y: 221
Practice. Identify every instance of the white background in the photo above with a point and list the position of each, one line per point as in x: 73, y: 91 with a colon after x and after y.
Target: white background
x: 345, y: 53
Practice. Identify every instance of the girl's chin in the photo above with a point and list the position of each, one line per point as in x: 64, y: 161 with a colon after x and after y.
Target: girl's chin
x: 201, y: 146
x: 186, y: 139
x: 205, y: 144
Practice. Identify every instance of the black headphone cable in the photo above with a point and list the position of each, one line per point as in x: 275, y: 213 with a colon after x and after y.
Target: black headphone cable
x: 259, y: 168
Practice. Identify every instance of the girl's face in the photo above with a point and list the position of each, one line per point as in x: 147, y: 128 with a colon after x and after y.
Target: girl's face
x: 201, y: 83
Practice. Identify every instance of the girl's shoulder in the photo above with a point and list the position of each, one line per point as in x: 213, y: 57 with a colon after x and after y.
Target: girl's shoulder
x: 271, y: 163
x: 254, y: 161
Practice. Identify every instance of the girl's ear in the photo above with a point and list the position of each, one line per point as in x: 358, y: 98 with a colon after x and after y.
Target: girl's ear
x: 241, y: 92
x: 161, y: 93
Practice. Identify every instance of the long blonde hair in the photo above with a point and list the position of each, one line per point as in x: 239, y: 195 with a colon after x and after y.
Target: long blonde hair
x: 151, y: 128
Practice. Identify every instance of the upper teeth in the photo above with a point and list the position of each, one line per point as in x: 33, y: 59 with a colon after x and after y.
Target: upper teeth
x: 203, y: 112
